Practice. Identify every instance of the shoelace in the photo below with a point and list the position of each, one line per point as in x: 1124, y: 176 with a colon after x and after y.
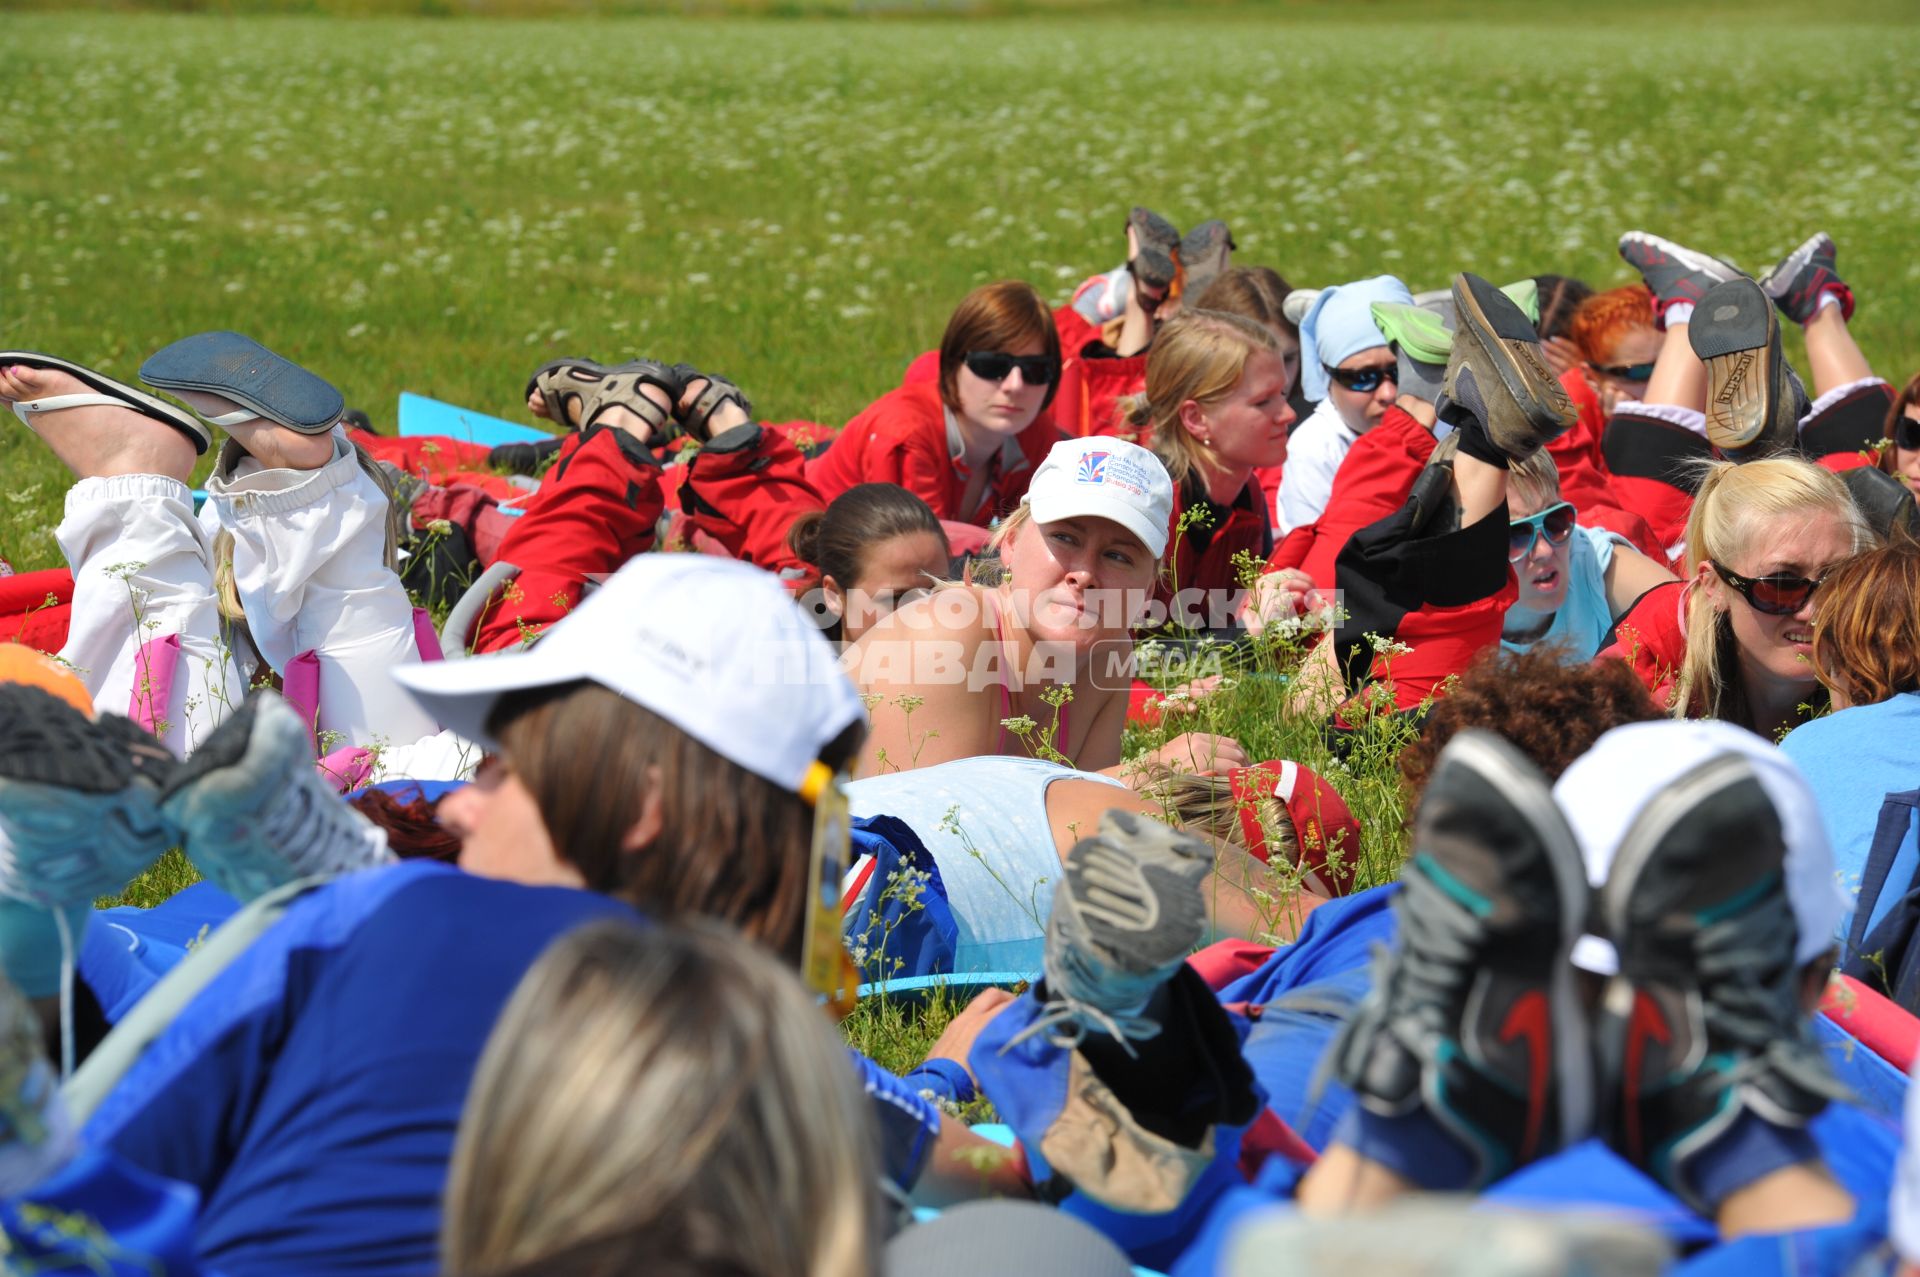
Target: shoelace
x: 1066, y: 1022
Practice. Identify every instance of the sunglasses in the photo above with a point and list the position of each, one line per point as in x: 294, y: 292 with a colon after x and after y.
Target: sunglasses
x: 1555, y: 523
x: 1627, y: 372
x: 1777, y: 595
x: 991, y: 365
x: 1906, y: 433
x: 1363, y: 380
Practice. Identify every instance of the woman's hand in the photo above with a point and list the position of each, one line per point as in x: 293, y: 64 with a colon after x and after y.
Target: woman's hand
x: 1279, y: 596
x: 956, y: 1040
x: 1560, y: 354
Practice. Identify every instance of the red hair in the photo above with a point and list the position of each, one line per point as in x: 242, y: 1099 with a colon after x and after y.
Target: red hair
x: 1606, y: 317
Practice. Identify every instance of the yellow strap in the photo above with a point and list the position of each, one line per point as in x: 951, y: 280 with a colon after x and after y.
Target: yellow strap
x: 815, y: 780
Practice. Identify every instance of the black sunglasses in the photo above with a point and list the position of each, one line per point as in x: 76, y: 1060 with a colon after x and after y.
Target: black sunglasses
x: 1776, y: 595
x: 1906, y: 433
x: 1555, y: 523
x: 1627, y: 372
x: 1363, y: 380
x: 991, y: 365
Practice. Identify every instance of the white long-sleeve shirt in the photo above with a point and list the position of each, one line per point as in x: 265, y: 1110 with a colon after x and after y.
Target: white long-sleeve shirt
x: 1314, y: 452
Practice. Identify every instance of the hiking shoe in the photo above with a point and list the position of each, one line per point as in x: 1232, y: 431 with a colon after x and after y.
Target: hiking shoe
x: 1522, y: 405
x: 1203, y: 256
x: 1754, y: 405
x: 1126, y: 914
x: 1156, y: 250
x: 1675, y: 274
x: 1797, y: 281
x: 1475, y: 1018
x: 1704, y: 1019
x: 79, y: 799
x: 255, y: 814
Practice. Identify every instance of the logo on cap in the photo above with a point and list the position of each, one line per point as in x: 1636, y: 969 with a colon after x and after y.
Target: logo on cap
x: 1093, y: 467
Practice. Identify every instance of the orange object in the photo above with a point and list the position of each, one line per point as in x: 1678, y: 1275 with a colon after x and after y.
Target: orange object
x: 22, y: 664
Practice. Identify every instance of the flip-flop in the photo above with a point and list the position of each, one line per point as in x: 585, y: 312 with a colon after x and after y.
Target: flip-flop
x: 241, y: 369
x: 111, y: 394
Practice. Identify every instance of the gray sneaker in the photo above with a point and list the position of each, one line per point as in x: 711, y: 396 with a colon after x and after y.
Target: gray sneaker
x: 1520, y: 401
x: 256, y: 815
x: 1126, y: 914
x: 79, y: 800
x: 1798, y: 281
x: 1676, y: 274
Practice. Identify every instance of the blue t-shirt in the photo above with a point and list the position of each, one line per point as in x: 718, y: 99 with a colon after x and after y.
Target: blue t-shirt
x: 1853, y: 758
x: 1581, y: 625
x: 312, y: 1090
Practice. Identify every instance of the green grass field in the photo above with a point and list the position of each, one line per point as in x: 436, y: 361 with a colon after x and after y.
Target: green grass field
x: 439, y: 206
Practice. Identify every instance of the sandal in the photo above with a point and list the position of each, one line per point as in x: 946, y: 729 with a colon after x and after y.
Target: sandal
x: 563, y: 379
x: 240, y: 369
x: 696, y: 417
x: 110, y: 392
x: 621, y: 386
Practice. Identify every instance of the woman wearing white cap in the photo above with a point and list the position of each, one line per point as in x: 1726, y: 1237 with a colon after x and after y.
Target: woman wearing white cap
x: 954, y: 674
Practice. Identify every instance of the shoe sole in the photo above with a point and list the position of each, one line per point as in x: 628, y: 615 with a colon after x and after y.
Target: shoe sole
x: 221, y: 794
x: 72, y: 800
x: 1736, y: 335
x: 1518, y: 784
x: 1732, y: 810
x: 1134, y: 890
x: 1537, y: 409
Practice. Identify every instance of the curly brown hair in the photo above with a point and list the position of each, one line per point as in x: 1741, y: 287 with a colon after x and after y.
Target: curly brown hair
x: 1549, y: 710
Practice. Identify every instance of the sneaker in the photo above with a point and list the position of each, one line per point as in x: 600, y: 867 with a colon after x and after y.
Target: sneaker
x: 1675, y: 274
x: 1797, y: 280
x: 1753, y: 404
x: 79, y: 800
x: 1704, y: 1019
x: 254, y: 812
x: 1203, y: 256
x: 1475, y: 1018
x: 1126, y: 914
x: 1522, y: 404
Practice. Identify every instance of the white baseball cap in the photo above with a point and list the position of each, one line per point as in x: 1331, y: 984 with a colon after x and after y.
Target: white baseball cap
x: 716, y: 647
x: 1105, y: 478
x: 1607, y: 787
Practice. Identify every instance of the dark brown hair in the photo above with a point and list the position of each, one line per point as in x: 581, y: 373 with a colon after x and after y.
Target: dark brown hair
x: 836, y: 539
x: 1251, y: 292
x: 998, y: 316
x: 414, y: 831
x: 1866, y: 623
x: 732, y: 844
x: 1560, y: 296
x: 1550, y: 711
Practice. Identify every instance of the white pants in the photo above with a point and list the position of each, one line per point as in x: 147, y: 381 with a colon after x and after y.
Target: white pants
x: 308, y: 564
x: 143, y: 571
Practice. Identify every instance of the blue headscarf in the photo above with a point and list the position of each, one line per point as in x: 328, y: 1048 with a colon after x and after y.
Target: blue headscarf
x: 1340, y: 325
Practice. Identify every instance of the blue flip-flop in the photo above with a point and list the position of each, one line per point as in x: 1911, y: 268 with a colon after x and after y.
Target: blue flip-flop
x: 108, y: 391
x: 241, y: 369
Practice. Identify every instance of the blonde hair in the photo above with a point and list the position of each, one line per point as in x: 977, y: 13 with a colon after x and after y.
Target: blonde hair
x: 1730, y: 502
x: 1206, y: 804
x: 1199, y: 355
x: 664, y: 1098
x: 1537, y: 476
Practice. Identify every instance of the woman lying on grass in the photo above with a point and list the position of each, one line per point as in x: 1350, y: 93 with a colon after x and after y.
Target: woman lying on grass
x: 1046, y: 657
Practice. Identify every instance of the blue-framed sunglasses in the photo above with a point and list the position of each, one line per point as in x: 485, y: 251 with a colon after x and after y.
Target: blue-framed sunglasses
x: 1555, y: 523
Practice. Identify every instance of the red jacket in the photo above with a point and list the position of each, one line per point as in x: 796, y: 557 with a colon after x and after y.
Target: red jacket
x: 1091, y: 387
x: 1372, y: 483
x: 1203, y: 558
x: 1652, y: 639
x: 902, y: 438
